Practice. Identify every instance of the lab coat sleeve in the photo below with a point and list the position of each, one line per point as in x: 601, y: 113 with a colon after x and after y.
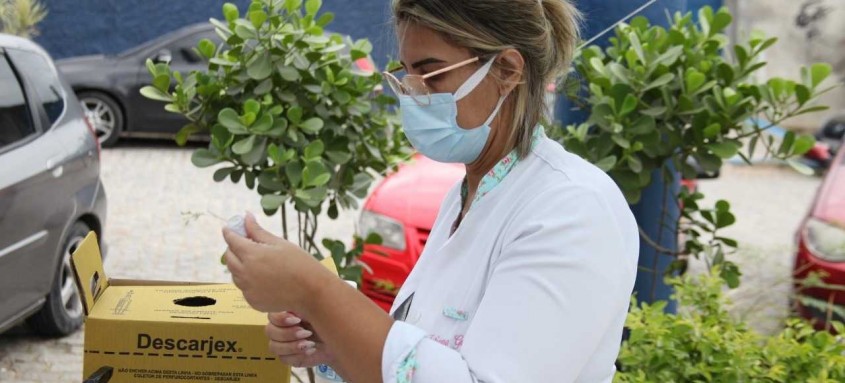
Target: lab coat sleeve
x: 557, y: 289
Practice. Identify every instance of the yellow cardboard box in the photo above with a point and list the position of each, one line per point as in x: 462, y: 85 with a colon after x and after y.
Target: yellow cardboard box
x: 155, y: 332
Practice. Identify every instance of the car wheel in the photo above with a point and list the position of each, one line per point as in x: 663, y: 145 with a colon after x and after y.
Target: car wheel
x: 104, y: 114
x: 62, y: 313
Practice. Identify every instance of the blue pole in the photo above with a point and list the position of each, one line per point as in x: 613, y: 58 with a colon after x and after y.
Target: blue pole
x: 657, y: 212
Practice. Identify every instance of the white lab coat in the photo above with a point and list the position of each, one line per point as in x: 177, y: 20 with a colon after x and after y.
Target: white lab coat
x: 534, y: 286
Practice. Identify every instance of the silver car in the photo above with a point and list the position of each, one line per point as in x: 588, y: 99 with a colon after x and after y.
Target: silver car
x: 50, y: 190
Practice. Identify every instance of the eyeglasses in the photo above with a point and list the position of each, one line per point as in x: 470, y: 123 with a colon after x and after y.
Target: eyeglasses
x: 414, y: 85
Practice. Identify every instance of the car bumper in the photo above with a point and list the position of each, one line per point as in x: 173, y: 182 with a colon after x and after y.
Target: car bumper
x: 806, y: 263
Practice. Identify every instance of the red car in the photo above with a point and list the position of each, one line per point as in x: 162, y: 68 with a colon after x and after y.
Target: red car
x: 821, y: 245
x: 402, y: 210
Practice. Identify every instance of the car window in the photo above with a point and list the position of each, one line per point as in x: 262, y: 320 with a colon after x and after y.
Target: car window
x: 40, y: 73
x: 15, y: 118
x: 182, y: 51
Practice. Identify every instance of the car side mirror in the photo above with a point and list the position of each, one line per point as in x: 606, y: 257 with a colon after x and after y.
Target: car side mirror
x: 163, y: 56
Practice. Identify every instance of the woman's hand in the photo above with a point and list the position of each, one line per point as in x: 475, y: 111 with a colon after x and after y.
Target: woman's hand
x: 294, y: 341
x: 273, y: 274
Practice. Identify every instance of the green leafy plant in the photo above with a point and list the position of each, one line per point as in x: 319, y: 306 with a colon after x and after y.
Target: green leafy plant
x: 287, y: 115
x: 663, y: 99
x: 19, y: 17
x: 704, y: 343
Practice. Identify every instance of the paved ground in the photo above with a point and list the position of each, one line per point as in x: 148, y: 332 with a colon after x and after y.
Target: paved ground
x: 152, y: 188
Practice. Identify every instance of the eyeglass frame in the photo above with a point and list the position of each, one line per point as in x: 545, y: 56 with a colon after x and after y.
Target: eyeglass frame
x: 401, y: 82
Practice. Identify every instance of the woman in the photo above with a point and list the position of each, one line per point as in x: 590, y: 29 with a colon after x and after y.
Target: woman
x: 528, y: 271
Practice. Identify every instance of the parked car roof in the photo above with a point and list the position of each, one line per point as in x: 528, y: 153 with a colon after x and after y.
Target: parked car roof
x: 11, y: 41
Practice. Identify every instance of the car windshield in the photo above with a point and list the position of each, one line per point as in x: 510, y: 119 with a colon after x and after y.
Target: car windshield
x: 151, y: 43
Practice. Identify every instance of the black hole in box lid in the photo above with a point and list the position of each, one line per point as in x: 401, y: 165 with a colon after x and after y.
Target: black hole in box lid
x: 195, y: 301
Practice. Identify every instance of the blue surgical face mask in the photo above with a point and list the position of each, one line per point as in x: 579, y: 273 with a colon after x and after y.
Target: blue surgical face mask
x: 433, y: 127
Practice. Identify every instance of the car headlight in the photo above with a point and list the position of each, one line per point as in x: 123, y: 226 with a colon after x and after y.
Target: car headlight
x: 825, y: 240
x: 392, y: 232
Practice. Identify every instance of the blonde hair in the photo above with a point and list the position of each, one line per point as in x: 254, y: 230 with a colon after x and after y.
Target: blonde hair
x: 545, y: 32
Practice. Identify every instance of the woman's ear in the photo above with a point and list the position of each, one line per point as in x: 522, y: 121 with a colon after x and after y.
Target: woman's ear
x: 511, y: 64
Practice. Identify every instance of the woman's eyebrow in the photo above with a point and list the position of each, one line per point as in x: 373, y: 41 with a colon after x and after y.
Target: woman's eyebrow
x: 430, y: 60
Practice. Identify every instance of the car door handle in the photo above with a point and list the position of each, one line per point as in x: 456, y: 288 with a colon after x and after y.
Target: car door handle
x: 54, y: 167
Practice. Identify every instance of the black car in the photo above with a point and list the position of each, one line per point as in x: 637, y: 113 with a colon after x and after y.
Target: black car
x: 109, y: 85
x: 832, y: 134
x: 51, y: 195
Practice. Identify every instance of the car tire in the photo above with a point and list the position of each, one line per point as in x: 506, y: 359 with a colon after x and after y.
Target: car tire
x: 62, y: 313
x: 105, y: 116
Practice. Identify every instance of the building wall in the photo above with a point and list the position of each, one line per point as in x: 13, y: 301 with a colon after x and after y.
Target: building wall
x: 803, y: 40
x: 79, y: 27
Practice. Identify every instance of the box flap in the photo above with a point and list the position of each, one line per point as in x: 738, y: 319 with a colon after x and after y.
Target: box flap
x: 88, y: 271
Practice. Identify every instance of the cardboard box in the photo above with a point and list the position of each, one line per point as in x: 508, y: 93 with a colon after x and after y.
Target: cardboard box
x: 154, y: 332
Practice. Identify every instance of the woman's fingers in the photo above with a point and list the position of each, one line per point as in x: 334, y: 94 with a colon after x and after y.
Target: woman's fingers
x: 284, y: 319
x: 291, y: 349
x: 287, y: 334
x: 257, y: 233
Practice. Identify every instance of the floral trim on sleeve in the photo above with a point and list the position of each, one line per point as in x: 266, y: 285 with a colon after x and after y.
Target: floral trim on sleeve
x: 405, y: 371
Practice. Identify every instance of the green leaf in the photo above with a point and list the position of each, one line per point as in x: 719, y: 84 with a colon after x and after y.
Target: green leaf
x: 636, y: 46
x: 819, y: 72
x: 694, y: 80
x: 629, y: 105
x: 231, y: 121
x: 162, y: 82
x: 246, y: 32
x: 293, y: 170
x: 256, y: 154
x: 312, y: 125
x: 656, y: 111
x: 635, y: 164
x: 803, y: 145
x: 252, y: 106
x: 712, y: 130
x: 272, y: 201
x: 721, y: 20
x: 263, y: 125
x: 339, y: 158
x: 730, y: 273
x: 724, y: 150
x: 325, y: 19
x: 260, y: 67
x: 230, y: 12
x: 803, y: 94
x: 263, y: 87
x: 607, y: 163
x: 203, y: 158
x: 206, y: 48
x: 151, y: 68
x: 786, y: 143
x: 152, y: 93
x: 244, y: 146
x: 322, y: 179
x: 288, y: 73
x: 660, y: 81
x: 295, y: 114
x: 313, y: 6
x: 257, y: 18
x: 185, y: 133
x: 314, y: 149
x: 222, y: 173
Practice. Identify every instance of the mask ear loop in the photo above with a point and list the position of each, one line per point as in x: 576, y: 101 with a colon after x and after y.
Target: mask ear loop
x: 473, y: 81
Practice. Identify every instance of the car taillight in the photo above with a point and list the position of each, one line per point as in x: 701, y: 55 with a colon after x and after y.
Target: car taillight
x: 825, y: 240
x: 365, y: 65
x: 94, y: 135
